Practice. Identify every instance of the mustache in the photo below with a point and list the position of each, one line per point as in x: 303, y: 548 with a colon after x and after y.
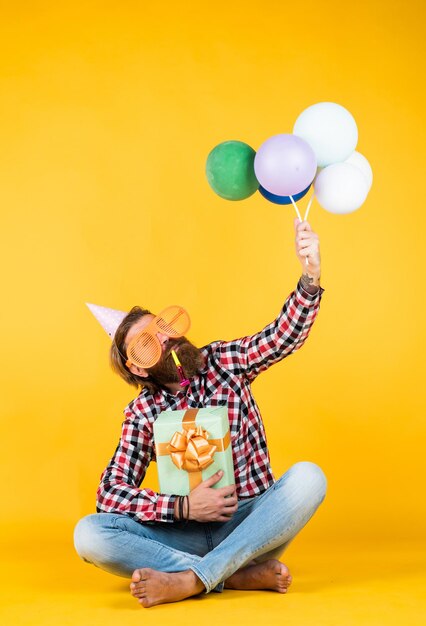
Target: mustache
x: 172, y: 344
x: 165, y: 370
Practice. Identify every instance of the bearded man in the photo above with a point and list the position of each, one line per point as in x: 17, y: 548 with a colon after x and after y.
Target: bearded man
x: 221, y: 537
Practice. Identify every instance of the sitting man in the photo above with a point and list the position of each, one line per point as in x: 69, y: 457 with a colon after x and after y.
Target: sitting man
x: 234, y: 534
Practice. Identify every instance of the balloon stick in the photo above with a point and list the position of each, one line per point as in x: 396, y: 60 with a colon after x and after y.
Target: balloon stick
x: 299, y: 216
x: 309, y: 206
x: 296, y: 208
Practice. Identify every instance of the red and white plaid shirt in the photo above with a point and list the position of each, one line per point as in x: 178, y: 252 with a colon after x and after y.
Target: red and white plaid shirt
x: 230, y: 368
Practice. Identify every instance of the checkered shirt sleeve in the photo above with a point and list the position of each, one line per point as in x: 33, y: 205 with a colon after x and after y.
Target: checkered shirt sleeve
x: 252, y: 355
x: 118, y: 490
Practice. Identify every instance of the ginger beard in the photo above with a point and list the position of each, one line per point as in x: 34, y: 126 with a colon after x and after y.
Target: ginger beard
x: 165, y: 371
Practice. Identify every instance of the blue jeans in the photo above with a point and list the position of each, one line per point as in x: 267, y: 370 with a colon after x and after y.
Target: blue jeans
x: 261, y: 529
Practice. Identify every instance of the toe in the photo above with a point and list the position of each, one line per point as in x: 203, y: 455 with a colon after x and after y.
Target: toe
x: 136, y: 587
x: 136, y: 576
x: 139, y: 585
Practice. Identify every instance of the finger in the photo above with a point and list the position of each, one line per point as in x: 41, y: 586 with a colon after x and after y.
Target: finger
x: 306, y: 234
x: 230, y: 501
x: 213, y: 480
x: 226, y: 491
x: 303, y: 226
x: 307, y: 243
x: 223, y: 518
x: 304, y: 244
x: 230, y: 510
x: 312, y: 249
x: 307, y: 250
x: 230, y: 504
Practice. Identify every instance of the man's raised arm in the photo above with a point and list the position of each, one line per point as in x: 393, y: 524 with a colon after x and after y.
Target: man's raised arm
x: 288, y: 332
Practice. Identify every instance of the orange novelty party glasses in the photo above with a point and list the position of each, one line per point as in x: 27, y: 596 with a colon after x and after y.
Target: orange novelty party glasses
x: 145, y: 350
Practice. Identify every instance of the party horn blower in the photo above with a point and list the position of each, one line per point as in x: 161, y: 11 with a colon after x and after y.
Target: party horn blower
x: 184, y: 382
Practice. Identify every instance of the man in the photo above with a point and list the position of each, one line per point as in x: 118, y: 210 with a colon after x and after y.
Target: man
x: 235, y: 533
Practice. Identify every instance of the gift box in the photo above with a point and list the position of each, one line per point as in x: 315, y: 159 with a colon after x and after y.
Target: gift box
x: 191, y: 445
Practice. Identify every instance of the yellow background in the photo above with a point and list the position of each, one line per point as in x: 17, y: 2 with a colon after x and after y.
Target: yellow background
x: 107, y: 113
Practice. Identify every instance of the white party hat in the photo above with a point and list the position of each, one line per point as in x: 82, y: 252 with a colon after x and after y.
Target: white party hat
x: 109, y: 319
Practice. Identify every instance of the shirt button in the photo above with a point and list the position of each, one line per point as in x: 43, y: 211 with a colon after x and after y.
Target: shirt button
x: 164, y: 516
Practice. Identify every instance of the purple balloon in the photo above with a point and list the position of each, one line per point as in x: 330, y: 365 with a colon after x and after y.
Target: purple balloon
x: 285, y: 165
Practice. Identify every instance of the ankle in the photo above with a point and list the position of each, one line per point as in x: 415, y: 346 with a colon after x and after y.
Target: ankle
x: 230, y: 582
x: 194, y: 581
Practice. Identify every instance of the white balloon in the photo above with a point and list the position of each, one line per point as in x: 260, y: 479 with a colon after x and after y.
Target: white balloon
x: 362, y: 164
x: 330, y: 130
x: 341, y: 188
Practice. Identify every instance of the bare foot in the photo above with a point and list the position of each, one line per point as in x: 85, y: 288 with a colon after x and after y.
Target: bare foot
x: 151, y: 587
x: 270, y: 574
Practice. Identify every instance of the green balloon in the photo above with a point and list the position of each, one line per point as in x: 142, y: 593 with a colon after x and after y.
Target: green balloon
x: 230, y: 170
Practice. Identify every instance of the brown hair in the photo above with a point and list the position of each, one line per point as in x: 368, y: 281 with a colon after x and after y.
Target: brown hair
x: 117, y: 354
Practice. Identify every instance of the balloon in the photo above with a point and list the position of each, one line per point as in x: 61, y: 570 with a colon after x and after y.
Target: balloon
x: 362, y: 164
x: 230, y: 170
x: 330, y: 130
x: 285, y: 165
x: 282, y: 199
x: 341, y: 188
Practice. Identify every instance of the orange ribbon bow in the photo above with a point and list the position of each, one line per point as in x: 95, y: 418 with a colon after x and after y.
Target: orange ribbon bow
x: 190, y: 450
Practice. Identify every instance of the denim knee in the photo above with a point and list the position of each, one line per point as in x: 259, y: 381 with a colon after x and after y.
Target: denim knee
x: 88, y: 540
x: 311, y: 476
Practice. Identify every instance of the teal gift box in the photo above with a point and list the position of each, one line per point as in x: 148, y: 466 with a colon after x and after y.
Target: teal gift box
x: 190, y: 446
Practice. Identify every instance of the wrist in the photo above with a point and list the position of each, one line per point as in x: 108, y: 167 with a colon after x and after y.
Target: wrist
x: 188, y: 515
x: 181, y: 509
x: 310, y: 280
x: 176, y: 508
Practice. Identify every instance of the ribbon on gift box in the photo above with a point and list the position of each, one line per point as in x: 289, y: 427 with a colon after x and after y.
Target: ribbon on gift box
x: 191, y: 450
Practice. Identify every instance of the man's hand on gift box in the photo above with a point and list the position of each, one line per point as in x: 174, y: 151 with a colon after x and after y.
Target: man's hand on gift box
x: 212, y: 505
